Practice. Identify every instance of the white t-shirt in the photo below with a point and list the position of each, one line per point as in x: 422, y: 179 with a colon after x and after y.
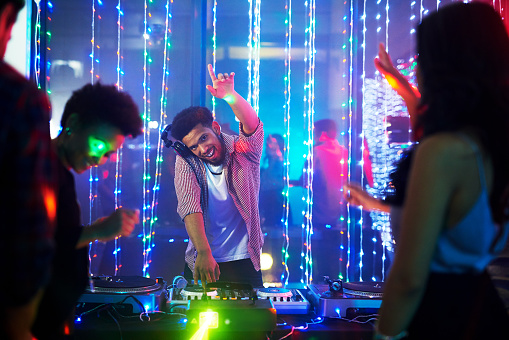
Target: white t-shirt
x: 227, y: 231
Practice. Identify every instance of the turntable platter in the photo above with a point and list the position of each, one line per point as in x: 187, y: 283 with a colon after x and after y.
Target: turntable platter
x: 366, y: 289
x: 122, y: 284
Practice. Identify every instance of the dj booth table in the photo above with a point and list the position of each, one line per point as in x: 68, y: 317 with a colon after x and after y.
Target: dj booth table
x: 106, y: 314
x: 169, y: 328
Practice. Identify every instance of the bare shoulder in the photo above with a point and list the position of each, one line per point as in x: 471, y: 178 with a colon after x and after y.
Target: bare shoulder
x: 447, y: 149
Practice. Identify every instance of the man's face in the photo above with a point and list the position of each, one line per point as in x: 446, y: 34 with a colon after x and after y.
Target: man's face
x: 205, y: 143
x: 90, y: 146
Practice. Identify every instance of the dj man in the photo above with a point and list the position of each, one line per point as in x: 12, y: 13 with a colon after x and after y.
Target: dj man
x: 217, y: 180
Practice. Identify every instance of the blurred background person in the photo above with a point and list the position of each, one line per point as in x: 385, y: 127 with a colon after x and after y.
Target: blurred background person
x: 330, y: 172
x: 28, y: 184
x: 272, y: 182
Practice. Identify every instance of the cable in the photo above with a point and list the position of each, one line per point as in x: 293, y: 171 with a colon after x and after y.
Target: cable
x: 118, y: 325
x: 287, y: 335
x: 372, y: 317
x: 313, y: 322
x: 137, y: 301
x: 100, y: 308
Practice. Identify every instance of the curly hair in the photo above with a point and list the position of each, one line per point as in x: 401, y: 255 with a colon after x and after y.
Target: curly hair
x: 188, y: 118
x: 98, y: 104
x: 463, y: 54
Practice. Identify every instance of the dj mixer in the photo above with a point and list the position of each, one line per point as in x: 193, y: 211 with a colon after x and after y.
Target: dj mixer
x: 285, y: 301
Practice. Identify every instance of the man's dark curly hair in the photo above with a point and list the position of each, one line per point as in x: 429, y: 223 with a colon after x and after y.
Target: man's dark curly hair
x: 188, y: 118
x: 99, y: 104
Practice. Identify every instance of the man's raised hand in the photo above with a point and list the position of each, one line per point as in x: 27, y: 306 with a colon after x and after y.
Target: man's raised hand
x: 222, y: 85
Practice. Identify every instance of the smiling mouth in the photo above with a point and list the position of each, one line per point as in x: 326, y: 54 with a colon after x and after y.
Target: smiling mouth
x: 210, y: 153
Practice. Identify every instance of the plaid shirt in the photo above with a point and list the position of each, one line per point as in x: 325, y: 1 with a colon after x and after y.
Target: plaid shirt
x: 27, y: 179
x: 242, y: 172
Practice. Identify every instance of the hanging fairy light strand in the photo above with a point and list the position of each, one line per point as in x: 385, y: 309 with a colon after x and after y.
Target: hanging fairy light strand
x: 350, y: 122
x: 368, y: 133
x: 254, y: 54
x: 343, y: 95
x: 250, y: 54
x: 309, y: 100
x: 146, y: 220
x: 94, y: 177
x: 256, y: 70
x: 386, y: 232
x: 49, y: 11
x: 214, y: 50
x: 37, y: 45
x: 118, y: 166
x: 363, y: 77
x: 162, y: 118
x: 285, y: 276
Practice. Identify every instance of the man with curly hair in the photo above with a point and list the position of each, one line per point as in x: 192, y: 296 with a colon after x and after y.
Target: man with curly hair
x: 217, y: 180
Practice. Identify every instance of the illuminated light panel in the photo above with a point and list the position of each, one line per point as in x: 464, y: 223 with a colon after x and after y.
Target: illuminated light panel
x: 209, y: 319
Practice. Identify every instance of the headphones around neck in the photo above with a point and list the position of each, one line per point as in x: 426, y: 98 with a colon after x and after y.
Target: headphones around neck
x: 180, y: 148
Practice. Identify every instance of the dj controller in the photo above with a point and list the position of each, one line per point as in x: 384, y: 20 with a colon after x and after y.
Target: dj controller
x: 227, y: 306
x: 284, y: 301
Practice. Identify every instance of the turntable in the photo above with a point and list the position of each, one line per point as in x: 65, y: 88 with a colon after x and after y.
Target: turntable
x: 144, y: 294
x: 347, y: 299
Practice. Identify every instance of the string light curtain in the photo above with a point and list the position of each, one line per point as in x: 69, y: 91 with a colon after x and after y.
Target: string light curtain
x: 374, y: 102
